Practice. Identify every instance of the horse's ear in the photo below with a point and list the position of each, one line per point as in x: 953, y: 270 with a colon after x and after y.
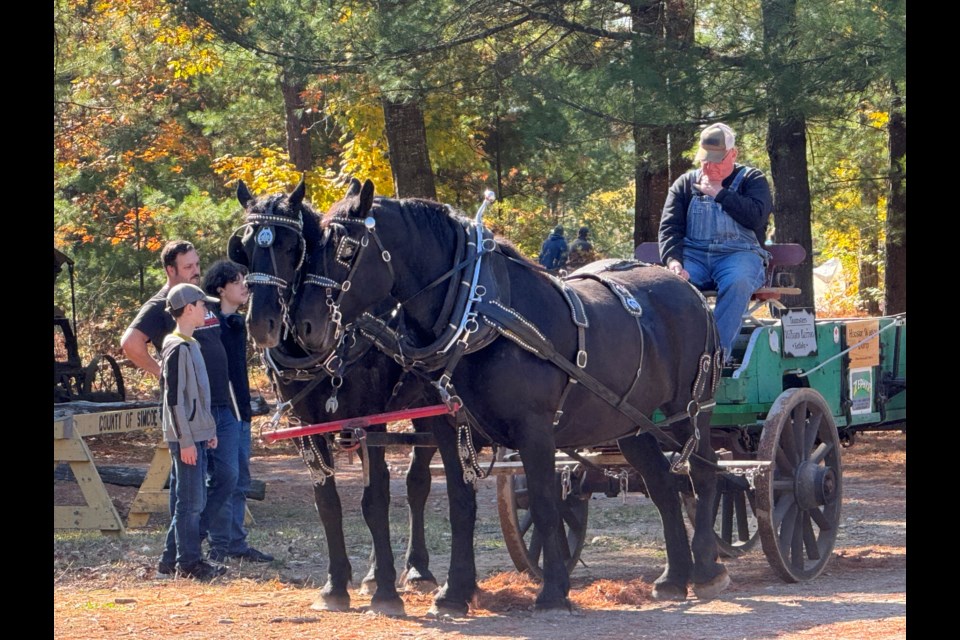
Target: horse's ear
x: 297, y: 196
x: 354, y: 188
x: 366, y: 199
x: 243, y: 194
x: 235, y: 251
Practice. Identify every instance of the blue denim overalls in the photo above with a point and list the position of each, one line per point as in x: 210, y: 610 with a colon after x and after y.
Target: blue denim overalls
x: 719, y: 252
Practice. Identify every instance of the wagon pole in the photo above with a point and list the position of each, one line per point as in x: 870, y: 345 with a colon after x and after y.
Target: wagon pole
x: 357, y: 423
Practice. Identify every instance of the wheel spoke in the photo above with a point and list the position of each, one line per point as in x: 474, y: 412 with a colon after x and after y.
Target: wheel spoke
x: 783, y: 485
x: 783, y: 506
x: 820, y: 518
x: 787, y: 466
x: 788, y: 435
x: 571, y: 518
x: 796, y: 540
x: 810, y: 536
x: 743, y: 527
x: 821, y: 452
x: 535, y: 548
x: 565, y: 552
x: 812, y: 430
x: 525, y: 523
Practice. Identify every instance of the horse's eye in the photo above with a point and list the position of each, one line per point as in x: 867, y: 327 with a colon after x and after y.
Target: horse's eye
x: 347, y: 250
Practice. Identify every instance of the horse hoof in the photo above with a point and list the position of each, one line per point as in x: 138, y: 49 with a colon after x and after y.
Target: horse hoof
x: 713, y: 588
x: 331, y: 603
x: 421, y: 586
x: 556, y: 613
x: 668, y: 591
x: 545, y: 609
x: 392, y: 607
x: 367, y: 587
x: 448, y: 610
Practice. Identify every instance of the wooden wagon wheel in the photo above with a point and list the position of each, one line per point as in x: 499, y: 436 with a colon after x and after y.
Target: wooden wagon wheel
x: 102, y: 381
x: 798, y: 498
x: 523, y: 542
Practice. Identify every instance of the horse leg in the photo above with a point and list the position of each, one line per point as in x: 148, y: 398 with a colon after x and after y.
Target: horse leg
x: 709, y: 577
x: 538, y: 457
x: 375, y: 506
x: 454, y: 597
x: 334, y: 595
x: 644, y: 454
x: 417, y: 573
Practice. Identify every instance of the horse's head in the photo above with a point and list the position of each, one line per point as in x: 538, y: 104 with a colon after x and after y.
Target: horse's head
x: 347, y: 273
x: 272, y: 247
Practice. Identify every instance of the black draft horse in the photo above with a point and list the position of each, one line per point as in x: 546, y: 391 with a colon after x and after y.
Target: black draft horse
x: 279, y: 231
x: 400, y: 250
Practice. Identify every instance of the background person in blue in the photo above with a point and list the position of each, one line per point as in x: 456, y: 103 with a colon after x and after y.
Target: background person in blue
x: 713, y: 226
x: 553, y: 252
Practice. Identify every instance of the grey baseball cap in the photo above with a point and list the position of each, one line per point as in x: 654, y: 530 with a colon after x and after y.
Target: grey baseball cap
x: 185, y: 293
x: 715, y: 141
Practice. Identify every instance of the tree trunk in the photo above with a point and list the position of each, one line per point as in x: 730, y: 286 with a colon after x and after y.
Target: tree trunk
x: 869, y: 274
x: 657, y: 156
x: 407, y: 144
x: 787, y: 147
x: 895, y: 279
x: 787, y: 143
x: 298, y: 123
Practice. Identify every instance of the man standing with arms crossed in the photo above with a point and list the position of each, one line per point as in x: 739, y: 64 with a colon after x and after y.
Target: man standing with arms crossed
x: 182, y: 265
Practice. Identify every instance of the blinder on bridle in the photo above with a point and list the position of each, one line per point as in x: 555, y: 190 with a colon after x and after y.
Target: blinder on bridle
x: 347, y: 254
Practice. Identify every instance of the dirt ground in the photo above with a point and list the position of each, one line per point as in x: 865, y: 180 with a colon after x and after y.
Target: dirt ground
x: 106, y: 587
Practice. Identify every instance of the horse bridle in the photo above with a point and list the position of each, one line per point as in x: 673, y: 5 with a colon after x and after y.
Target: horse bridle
x: 348, y: 254
x: 262, y: 225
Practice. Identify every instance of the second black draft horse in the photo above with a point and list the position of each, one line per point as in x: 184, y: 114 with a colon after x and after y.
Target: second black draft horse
x: 280, y: 231
x: 539, y: 367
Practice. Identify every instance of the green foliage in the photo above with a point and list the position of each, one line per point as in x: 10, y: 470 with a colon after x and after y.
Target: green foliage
x: 160, y: 107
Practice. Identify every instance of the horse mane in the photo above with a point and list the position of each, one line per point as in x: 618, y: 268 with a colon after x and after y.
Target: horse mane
x: 431, y: 215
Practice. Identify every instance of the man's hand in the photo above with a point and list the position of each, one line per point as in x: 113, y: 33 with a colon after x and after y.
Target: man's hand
x: 709, y: 187
x: 212, y: 442
x: 674, y: 265
x: 189, y: 455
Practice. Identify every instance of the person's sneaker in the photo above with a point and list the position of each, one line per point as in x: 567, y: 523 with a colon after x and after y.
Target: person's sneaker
x: 202, y: 570
x: 253, y: 555
x: 165, y: 568
x: 217, y: 555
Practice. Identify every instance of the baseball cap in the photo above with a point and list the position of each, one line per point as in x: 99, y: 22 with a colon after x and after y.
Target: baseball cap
x: 185, y: 293
x: 715, y: 141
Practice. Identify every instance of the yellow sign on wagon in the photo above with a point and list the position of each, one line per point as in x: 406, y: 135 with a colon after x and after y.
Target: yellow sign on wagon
x: 867, y: 354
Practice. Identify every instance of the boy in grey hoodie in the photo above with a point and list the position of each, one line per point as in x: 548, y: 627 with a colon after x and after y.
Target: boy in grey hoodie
x: 188, y: 427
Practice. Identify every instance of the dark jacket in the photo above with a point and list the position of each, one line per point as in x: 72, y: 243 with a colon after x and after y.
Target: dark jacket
x: 751, y: 207
x: 233, y: 334
x: 553, y: 252
x: 154, y: 321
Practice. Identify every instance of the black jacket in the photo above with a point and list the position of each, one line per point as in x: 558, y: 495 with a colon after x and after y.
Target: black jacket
x: 750, y: 206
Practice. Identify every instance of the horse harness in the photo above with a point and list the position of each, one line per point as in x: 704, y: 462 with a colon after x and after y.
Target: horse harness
x: 486, y: 298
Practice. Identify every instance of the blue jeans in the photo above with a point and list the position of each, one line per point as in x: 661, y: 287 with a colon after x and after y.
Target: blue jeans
x: 735, y: 273
x: 224, y: 471
x: 188, y: 496
x: 238, y: 501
